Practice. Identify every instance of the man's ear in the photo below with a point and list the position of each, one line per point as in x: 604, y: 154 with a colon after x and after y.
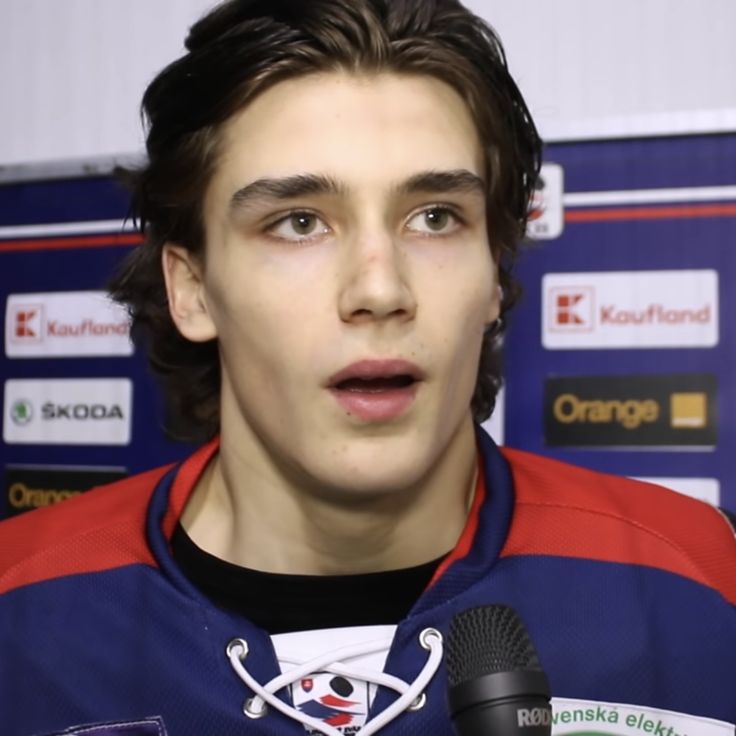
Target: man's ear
x: 185, y: 291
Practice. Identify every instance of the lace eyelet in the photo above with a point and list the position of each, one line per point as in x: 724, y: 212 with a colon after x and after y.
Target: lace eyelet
x: 426, y: 635
x: 242, y: 643
x: 419, y: 703
x: 251, y: 712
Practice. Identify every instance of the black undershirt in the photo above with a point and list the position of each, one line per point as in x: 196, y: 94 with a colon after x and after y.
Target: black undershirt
x: 281, y: 603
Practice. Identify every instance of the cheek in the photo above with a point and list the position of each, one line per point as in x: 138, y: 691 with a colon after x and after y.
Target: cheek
x: 268, y: 327
x: 461, y: 310
x: 465, y: 295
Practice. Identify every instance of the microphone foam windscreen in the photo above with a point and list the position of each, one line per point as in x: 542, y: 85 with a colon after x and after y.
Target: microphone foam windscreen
x: 485, y: 640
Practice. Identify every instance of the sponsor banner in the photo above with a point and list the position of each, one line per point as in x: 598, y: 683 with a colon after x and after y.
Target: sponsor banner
x: 702, y: 489
x: 547, y: 216
x: 30, y: 487
x: 586, y: 717
x: 630, y: 309
x: 63, y: 324
x: 676, y: 410
x: 68, y: 411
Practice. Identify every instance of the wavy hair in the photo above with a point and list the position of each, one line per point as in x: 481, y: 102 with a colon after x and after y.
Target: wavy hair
x: 234, y: 53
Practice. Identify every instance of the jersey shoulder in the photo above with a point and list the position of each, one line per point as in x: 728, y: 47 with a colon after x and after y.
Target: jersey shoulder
x: 98, y: 530
x: 562, y: 509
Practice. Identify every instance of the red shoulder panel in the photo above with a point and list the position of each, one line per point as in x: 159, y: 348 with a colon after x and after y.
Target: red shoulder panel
x: 98, y: 530
x: 569, y: 511
x: 188, y: 475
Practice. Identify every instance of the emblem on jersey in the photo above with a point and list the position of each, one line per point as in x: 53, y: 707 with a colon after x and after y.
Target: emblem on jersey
x: 335, y: 700
x: 153, y: 726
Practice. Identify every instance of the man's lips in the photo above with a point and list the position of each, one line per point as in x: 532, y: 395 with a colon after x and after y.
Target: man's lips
x: 376, y: 375
x: 376, y: 390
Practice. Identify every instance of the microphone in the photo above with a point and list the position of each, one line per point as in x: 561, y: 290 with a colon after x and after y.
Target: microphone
x: 496, y: 684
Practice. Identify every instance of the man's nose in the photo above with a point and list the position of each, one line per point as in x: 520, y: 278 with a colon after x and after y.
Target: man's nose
x: 375, y: 280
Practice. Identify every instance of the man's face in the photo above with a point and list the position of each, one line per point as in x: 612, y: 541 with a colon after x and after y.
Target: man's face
x: 349, y: 278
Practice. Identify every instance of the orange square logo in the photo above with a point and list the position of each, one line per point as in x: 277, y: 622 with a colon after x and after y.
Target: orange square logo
x: 688, y: 410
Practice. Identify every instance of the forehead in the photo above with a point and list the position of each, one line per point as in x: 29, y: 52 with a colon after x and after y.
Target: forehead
x: 363, y: 130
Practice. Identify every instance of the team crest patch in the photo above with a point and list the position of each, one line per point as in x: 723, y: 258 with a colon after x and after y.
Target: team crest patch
x: 337, y: 701
x: 329, y: 694
x: 153, y: 726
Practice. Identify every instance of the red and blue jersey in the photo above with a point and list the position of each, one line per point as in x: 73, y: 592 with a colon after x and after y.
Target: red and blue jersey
x: 628, y: 592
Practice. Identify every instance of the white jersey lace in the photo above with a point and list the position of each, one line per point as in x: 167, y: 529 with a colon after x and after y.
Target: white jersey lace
x: 337, y: 661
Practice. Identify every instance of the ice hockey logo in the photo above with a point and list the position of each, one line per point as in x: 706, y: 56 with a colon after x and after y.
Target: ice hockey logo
x: 538, y: 204
x: 332, y: 700
x: 545, y: 216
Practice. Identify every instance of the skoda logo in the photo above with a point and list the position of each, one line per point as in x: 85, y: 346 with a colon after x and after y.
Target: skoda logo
x: 21, y: 412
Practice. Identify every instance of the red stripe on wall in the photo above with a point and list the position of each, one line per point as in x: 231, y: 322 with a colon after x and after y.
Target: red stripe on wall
x: 90, y: 241
x: 651, y: 213
x: 601, y: 214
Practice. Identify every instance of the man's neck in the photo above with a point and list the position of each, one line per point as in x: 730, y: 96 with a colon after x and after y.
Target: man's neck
x: 258, y: 520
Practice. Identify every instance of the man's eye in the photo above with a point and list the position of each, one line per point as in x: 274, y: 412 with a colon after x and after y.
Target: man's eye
x: 298, y: 226
x: 435, y: 220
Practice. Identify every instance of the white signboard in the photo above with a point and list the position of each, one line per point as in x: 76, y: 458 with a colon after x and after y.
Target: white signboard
x: 89, y: 411
x: 65, y: 324
x: 630, y: 309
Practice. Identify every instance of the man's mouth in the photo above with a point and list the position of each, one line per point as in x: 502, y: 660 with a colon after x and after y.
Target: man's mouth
x: 393, y: 373
x: 375, y: 385
x: 376, y: 390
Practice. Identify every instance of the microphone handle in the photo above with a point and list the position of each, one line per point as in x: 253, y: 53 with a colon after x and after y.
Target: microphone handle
x: 521, y: 716
x: 514, y: 703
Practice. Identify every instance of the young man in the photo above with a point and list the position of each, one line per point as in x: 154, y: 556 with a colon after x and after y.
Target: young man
x: 333, y: 196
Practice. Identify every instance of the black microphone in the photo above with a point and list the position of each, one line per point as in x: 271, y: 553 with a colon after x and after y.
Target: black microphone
x: 496, y: 684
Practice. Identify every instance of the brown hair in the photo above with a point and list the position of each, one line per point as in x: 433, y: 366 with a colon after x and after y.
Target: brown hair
x: 237, y: 51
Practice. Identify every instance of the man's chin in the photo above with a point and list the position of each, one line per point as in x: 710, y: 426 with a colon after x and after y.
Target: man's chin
x: 361, y: 472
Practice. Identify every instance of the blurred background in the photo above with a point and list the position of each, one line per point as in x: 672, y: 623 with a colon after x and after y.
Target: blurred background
x: 620, y: 357
x: 73, y: 71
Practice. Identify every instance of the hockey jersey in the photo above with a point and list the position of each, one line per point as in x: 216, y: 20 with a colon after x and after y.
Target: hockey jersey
x: 628, y: 592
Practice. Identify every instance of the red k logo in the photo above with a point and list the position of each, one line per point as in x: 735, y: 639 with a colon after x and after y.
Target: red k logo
x: 566, y: 313
x: 23, y: 324
x: 28, y: 324
x: 571, y: 309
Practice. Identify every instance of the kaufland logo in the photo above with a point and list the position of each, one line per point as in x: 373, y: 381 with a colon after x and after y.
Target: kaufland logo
x: 28, y: 323
x: 30, y: 326
x: 56, y: 324
x: 610, y: 314
x: 632, y: 309
x: 572, y: 308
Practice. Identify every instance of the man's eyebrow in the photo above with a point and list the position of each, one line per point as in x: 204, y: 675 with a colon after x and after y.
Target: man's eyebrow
x: 454, y: 180
x: 286, y: 187
x: 299, y: 185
